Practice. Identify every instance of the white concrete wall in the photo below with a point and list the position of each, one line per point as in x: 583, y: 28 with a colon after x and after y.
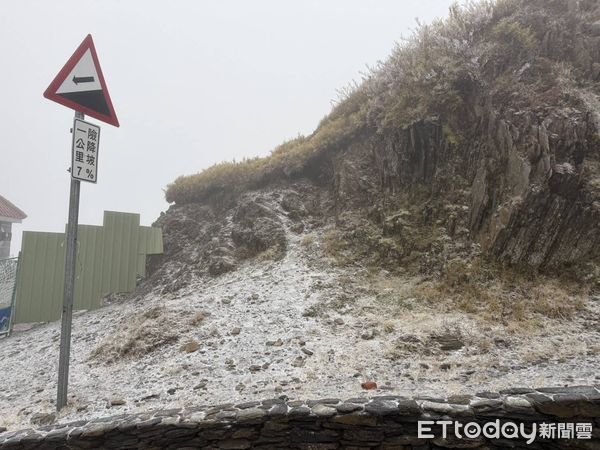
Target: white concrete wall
x: 5, y: 235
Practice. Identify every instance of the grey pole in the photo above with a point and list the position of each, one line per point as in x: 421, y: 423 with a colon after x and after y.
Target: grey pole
x: 67, y: 312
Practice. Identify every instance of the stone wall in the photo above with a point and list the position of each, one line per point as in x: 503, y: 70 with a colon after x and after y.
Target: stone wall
x: 385, y: 422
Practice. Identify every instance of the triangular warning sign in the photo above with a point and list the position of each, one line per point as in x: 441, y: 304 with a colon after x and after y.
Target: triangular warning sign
x: 80, y: 85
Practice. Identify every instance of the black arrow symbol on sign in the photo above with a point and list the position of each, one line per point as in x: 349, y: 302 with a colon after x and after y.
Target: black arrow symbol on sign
x: 78, y: 80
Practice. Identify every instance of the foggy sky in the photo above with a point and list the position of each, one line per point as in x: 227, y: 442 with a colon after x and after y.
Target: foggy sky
x: 193, y: 83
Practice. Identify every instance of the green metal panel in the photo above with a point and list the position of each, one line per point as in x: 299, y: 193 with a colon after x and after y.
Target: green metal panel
x: 41, y: 277
x: 119, y: 270
x: 151, y: 242
x: 88, y: 275
x: 141, y: 266
x: 109, y: 258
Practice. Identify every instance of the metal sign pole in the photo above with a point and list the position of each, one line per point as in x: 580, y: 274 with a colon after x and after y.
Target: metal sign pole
x: 67, y: 312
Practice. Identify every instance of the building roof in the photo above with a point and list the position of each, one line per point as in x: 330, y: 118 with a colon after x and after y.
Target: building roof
x: 10, y: 211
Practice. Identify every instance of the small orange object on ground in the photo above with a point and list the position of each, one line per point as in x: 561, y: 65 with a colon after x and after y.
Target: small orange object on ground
x: 368, y: 385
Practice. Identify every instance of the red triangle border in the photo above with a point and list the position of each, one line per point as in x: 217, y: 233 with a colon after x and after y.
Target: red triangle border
x: 50, y: 92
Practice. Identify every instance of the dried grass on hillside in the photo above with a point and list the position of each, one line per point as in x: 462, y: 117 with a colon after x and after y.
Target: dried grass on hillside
x: 435, y: 72
x: 503, y: 295
x: 139, y: 335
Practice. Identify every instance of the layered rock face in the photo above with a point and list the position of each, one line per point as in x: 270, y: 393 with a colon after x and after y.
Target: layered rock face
x: 523, y: 187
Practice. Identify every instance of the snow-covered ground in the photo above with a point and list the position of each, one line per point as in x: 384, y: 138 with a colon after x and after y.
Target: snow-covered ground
x: 298, y: 327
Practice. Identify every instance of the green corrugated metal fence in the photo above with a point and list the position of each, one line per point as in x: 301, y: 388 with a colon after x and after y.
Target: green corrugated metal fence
x: 109, y: 260
x: 150, y: 243
x: 39, y: 286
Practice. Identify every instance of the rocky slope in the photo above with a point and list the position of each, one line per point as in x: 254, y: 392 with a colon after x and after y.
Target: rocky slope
x: 299, y: 326
x: 469, y: 162
x: 482, y: 129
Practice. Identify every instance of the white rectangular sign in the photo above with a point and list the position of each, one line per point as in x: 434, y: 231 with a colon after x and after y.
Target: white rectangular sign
x: 84, y: 159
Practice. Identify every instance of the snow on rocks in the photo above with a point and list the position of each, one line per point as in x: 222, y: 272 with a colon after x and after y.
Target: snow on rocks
x: 246, y: 335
